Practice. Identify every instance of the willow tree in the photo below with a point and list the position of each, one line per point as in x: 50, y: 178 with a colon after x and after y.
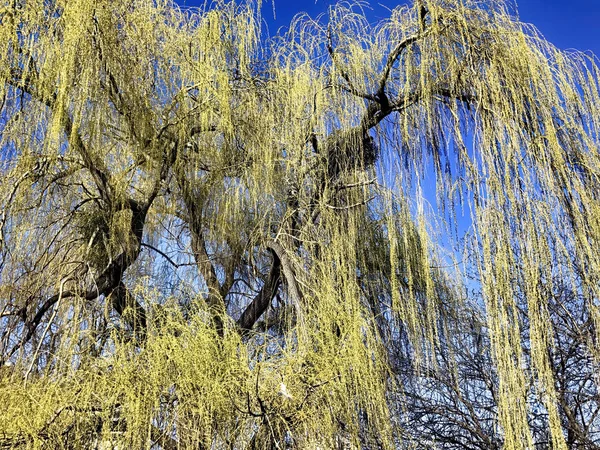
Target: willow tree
x: 214, y: 239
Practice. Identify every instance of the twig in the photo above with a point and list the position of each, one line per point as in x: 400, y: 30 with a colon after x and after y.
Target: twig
x: 161, y: 253
x: 360, y: 183
x: 350, y: 206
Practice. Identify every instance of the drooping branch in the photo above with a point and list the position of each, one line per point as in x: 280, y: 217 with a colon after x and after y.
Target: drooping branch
x: 343, y: 72
x: 99, y: 173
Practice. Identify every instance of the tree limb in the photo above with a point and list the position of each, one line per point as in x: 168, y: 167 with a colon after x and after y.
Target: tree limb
x: 263, y: 299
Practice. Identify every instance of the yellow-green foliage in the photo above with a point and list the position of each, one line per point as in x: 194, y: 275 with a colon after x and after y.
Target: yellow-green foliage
x: 180, y: 154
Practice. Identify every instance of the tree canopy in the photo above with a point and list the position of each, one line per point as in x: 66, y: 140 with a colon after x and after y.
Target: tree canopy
x: 350, y: 235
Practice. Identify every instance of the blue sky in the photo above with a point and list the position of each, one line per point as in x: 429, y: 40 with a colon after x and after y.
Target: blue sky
x: 565, y: 23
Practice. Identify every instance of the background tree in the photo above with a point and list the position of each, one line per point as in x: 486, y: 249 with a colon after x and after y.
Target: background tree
x: 215, y: 239
x: 456, y: 405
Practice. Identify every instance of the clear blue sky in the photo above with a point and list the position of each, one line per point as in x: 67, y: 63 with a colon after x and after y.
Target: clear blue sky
x: 565, y: 23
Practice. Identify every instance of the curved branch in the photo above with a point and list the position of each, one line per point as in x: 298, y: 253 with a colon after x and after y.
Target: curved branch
x: 263, y: 299
x: 282, y: 264
x: 350, y: 88
x: 288, y: 271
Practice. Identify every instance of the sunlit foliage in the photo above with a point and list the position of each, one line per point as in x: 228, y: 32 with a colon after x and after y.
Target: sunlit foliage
x: 212, y: 238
